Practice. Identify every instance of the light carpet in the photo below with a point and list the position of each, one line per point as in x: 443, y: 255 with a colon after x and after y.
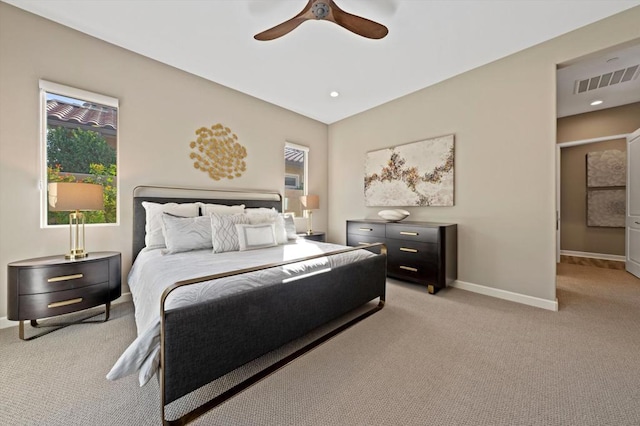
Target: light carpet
x: 456, y: 358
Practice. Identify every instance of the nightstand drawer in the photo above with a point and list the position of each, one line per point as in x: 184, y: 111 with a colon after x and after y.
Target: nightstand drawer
x: 364, y: 228
x: 34, y: 306
x: 412, y: 233
x: 62, y: 277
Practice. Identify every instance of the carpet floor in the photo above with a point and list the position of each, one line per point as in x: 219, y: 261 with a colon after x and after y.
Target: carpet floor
x: 457, y: 358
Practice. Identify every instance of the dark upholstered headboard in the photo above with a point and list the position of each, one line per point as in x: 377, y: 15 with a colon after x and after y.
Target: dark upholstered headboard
x: 158, y: 194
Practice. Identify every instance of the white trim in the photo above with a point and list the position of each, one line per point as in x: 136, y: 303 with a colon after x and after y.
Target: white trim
x: 551, y: 305
x: 593, y: 140
x: 602, y: 256
x: 558, y: 182
x: 72, y: 92
x: 5, y: 323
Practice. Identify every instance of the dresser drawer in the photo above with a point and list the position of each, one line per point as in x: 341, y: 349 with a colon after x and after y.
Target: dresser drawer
x: 419, y: 273
x: 412, y: 233
x: 412, y: 252
x: 34, y: 306
x: 364, y: 228
x: 62, y: 277
x: 355, y: 240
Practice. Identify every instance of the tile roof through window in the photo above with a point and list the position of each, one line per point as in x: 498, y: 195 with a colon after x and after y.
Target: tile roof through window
x: 87, y: 113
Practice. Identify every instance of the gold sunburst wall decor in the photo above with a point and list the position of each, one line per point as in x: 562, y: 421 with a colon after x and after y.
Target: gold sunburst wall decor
x: 217, y: 152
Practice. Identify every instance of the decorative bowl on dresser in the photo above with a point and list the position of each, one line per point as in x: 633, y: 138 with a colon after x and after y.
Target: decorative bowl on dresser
x: 421, y: 252
x: 50, y: 286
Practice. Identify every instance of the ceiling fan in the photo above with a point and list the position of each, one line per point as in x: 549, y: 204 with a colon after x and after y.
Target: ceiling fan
x: 327, y: 10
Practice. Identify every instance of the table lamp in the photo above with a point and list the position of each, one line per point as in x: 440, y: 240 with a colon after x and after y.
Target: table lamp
x: 310, y: 203
x: 74, y: 197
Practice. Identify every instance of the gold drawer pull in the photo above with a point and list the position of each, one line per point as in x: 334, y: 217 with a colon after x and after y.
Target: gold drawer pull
x: 64, y: 303
x: 366, y: 229
x: 408, y: 233
x: 410, y: 250
x: 64, y: 278
x: 408, y: 268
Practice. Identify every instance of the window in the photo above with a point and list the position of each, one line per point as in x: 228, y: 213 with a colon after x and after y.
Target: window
x: 295, y: 177
x: 79, y: 144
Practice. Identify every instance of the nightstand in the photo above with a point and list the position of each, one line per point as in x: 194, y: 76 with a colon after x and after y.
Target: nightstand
x: 316, y: 236
x: 51, y: 286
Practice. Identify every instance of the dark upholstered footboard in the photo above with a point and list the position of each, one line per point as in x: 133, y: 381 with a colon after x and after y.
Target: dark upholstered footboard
x: 204, y: 342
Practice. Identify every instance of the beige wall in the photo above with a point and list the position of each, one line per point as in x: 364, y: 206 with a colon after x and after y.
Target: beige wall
x: 503, y: 118
x: 160, y: 108
x: 575, y: 234
x: 607, y: 122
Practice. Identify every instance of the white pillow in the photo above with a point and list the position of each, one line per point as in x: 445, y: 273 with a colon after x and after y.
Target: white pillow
x: 153, y: 229
x: 261, y: 215
x: 221, y: 209
x: 289, y: 226
x: 224, y: 233
x: 186, y: 233
x: 252, y: 237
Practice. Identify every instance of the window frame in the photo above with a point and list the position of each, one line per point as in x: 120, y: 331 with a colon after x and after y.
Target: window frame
x: 71, y: 92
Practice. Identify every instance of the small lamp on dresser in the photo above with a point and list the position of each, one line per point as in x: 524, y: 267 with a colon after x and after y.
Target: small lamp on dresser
x: 75, y: 197
x: 310, y: 203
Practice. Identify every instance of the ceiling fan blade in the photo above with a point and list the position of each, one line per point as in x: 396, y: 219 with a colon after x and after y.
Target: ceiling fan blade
x: 280, y: 29
x: 356, y: 24
x: 287, y: 26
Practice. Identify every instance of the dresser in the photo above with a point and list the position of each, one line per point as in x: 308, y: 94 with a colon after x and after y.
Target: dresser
x: 50, y: 286
x: 425, y: 253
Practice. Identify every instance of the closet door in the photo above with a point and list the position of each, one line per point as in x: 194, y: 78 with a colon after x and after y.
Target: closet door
x: 633, y: 203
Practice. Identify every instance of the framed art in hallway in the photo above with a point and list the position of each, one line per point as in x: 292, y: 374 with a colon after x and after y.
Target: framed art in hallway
x: 606, y: 207
x: 414, y: 174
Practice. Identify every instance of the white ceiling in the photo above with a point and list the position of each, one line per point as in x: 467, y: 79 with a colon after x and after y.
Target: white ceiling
x: 429, y: 41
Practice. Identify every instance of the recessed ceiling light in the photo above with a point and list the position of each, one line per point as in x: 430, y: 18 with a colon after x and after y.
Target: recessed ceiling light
x: 594, y: 103
x: 334, y: 94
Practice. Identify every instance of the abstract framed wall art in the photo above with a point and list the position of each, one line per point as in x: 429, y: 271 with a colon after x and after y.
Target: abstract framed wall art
x: 414, y: 174
x: 606, y: 208
x: 606, y: 168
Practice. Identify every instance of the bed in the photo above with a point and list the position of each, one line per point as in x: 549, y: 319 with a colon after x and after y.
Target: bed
x: 221, y: 311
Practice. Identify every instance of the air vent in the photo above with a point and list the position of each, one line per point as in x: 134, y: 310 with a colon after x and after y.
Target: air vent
x: 608, y: 79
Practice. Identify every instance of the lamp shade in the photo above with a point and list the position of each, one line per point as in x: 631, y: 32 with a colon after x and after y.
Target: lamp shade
x: 72, y: 196
x: 310, y: 202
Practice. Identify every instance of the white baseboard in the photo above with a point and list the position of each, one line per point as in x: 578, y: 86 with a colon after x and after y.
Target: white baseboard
x: 602, y: 256
x: 550, y: 305
x: 5, y: 323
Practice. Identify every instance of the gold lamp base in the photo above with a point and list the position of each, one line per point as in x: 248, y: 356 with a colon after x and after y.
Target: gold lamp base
x: 76, y: 236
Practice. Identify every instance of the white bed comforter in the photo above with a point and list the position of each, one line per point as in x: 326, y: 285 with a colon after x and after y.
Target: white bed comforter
x: 152, y: 272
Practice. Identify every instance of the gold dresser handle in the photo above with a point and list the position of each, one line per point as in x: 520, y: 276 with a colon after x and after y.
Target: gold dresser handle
x: 408, y: 233
x: 366, y: 229
x: 64, y: 303
x: 408, y: 268
x: 64, y: 278
x: 409, y: 250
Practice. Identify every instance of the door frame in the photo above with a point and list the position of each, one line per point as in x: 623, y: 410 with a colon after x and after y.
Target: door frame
x: 559, y: 147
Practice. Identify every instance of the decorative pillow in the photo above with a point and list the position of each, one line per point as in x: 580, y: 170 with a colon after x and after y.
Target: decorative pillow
x: 289, y: 226
x: 252, y: 237
x: 221, y: 209
x: 153, y: 229
x: 224, y: 233
x: 186, y: 233
x: 261, y: 215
